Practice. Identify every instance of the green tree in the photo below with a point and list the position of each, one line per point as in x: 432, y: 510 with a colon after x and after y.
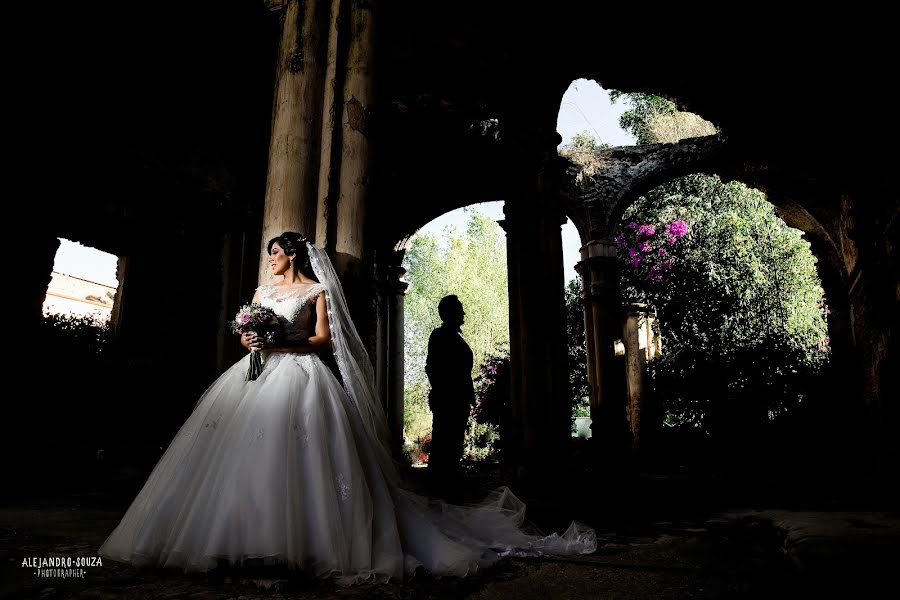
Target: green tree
x: 653, y: 119
x: 471, y: 265
x: 579, y: 392
x: 739, y: 302
x: 585, y: 141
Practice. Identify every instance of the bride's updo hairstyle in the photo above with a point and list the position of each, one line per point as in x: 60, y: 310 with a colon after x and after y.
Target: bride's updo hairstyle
x: 294, y: 244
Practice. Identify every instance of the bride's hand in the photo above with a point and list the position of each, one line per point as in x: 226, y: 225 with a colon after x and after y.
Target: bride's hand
x: 251, y: 341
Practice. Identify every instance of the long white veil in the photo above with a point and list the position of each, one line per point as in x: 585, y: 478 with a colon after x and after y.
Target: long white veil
x: 470, y: 535
x: 353, y: 361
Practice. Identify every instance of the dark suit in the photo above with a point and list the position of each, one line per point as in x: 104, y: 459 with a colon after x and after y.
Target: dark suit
x: 449, y: 369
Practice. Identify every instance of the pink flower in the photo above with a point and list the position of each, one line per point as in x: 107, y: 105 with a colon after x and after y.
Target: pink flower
x: 644, y: 246
x: 245, y: 318
x: 672, y: 240
x: 646, y: 230
x: 662, y: 251
x: 654, y: 274
x: 677, y: 228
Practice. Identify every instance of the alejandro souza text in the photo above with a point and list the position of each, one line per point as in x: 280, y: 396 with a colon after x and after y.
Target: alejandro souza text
x: 61, y: 566
x: 35, y: 562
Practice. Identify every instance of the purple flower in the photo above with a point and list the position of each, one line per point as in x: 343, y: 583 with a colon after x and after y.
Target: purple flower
x: 662, y: 251
x: 665, y: 265
x: 635, y: 261
x: 620, y: 240
x: 632, y: 252
x: 646, y: 230
x: 677, y: 228
x: 672, y: 240
x: 633, y: 225
x: 644, y: 246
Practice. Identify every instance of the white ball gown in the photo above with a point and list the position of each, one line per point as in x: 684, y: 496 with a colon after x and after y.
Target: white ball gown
x: 286, y: 469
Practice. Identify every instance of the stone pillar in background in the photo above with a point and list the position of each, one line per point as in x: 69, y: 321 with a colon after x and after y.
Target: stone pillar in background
x: 356, y: 130
x: 396, y: 355
x: 540, y: 410
x: 293, y: 176
x: 389, y: 351
x: 609, y: 423
x: 635, y: 372
x: 330, y: 152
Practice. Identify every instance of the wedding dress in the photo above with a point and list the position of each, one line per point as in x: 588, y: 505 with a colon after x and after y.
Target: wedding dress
x: 292, y: 468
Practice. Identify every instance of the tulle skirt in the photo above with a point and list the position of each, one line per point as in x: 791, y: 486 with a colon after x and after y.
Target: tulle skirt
x: 279, y: 470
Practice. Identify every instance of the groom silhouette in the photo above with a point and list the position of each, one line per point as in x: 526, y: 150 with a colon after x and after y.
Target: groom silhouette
x: 449, y: 370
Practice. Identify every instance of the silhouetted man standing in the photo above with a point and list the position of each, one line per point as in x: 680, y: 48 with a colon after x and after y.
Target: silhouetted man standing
x: 449, y: 369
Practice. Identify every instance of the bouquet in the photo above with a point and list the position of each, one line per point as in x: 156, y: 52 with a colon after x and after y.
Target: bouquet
x: 258, y: 319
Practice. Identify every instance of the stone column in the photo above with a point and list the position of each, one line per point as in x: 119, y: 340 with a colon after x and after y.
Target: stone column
x: 540, y: 411
x: 396, y: 356
x: 356, y: 131
x: 635, y: 372
x: 326, y: 223
x: 609, y: 424
x: 389, y: 352
x: 293, y: 176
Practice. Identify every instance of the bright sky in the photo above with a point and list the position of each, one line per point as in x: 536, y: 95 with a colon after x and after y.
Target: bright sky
x: 86, y: 263
x: 585, y: 107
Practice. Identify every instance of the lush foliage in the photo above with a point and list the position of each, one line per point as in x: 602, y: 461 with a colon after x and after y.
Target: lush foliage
x: 740, y: 305
x: 74, y: 336
x: 655, y: 120
x: 645, y: 108
x: 649, y: 248
x: 585, y: 141
x: 579, y: 393
x: 492, y: 388
x: 471, y: 265
x: 492, y: 383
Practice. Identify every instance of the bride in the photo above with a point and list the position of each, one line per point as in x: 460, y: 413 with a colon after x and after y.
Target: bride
x: 293, y: 468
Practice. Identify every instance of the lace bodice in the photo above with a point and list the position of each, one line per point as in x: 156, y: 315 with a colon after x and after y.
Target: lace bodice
x: 295, y: 307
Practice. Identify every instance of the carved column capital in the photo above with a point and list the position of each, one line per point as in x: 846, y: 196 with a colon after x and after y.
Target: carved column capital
x: 600, y: 269
x: 395, y: 281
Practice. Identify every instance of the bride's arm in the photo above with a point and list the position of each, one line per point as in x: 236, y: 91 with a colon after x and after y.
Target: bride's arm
x: 323, y: 329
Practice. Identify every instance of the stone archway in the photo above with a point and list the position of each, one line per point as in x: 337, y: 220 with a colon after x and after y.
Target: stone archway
x: 601, y: 198
x: 524, y: 434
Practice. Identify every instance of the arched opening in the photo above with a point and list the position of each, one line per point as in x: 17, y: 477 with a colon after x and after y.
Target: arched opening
x: 463, y: 252
x: 627, y: 324
x: 742, y: 316
x: 589, y: 116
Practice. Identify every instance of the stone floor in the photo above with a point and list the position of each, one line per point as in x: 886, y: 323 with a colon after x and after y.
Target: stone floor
x: 695, y: 550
